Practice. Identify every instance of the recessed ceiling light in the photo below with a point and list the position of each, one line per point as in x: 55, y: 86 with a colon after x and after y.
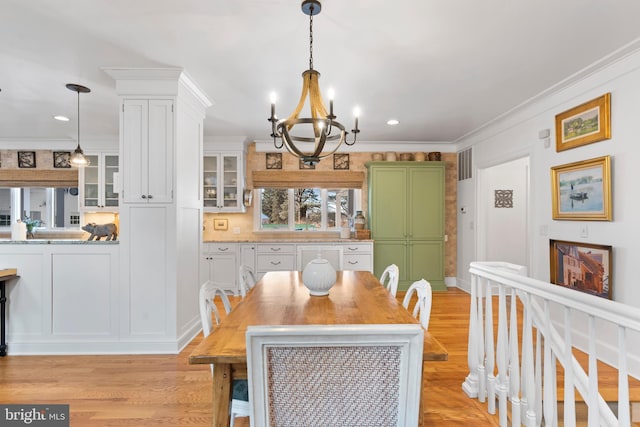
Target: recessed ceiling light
x: 392, y: 122
x: 61, y: 118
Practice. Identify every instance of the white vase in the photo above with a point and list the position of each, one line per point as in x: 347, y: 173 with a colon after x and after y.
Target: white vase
x: 319, y: 276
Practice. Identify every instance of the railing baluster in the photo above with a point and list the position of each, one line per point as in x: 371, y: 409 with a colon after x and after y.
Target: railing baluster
x: 549, y: 366
x: 624, y: 415
x: 514, y: 360
x: 482, y: 373
x: 470, y: 385
x: 527, y: 365
x: 502, y: 355
x: 489, y: 350
x: 594, y: 413
x: 538, y: 396
x: 569, y: 393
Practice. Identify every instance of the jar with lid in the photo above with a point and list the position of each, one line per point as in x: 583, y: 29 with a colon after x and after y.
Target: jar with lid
x: 359, y: 221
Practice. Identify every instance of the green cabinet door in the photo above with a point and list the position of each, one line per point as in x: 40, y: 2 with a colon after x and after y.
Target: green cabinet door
x: 426, y: 260
x: 388, y: 203
x: 426, y: 203
x: 387, y: 252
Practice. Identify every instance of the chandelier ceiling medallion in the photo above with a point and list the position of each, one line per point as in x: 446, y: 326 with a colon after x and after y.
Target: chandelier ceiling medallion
x: 322, y: 126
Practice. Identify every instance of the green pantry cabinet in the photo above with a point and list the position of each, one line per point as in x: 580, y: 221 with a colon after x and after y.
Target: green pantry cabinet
x: 406, y: 218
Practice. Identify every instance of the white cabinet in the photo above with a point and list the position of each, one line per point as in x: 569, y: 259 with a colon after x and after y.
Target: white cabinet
x: 98, y: 183
x: 219, y: 264
x: 357, y: 256
x: 222, y: 179
x: 247, y: 256
x: 147, y: 150
x: 275, y: 257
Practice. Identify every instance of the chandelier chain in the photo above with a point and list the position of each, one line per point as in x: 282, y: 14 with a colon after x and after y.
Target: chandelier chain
x: 311, y: 39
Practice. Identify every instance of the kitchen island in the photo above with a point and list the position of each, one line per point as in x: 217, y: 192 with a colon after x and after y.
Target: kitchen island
x: 67, y: 298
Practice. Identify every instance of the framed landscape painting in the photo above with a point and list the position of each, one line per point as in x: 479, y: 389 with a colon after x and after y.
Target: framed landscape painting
x: 584, y: 267
x: 584, y: 124
x: 582, y: 190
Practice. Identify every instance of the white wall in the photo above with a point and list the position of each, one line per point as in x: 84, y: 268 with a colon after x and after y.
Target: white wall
x: 516, y: 135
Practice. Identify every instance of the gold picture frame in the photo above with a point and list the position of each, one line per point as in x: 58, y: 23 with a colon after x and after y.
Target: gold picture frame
x: 220, y: 224
x: 582, y: 190
x: 585, y: 267
x: 587, y: 123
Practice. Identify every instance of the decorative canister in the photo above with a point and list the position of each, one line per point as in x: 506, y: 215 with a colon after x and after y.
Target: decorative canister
x: 435, y: 156
x: 377, y: 157
x: 390, y: 156
x: 19, y: 231
x: 419, y: 157
x: 405, y: 157
x: 359, y: 221
x: 318, y: 276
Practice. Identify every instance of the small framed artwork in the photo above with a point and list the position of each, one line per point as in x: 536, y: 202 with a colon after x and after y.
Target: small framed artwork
x: 61, y: 159
x: 584, y: 267
x: 26, y: 159
x: 220, y: 224
x: 303, y: 165
x: 341, y: 161
x: 582, y: 190
x: 274, y: 161
x: 584, y: 124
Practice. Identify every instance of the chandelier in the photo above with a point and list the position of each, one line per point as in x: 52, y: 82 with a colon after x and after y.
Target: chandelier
x: 322, y: 126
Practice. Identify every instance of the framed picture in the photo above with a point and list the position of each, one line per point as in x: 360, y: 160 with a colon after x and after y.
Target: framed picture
x: 341, y: 161
x: 582, y: 190
x: 584, y: 124
x: 584, y: 267
x: 303, y: 165
x: 274, y: 161
x: 26, y: 159
x: 61, y: 159
x: 220, y: 224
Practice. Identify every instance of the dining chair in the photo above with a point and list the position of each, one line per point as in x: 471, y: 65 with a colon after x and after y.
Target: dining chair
x: 335, y: 375
x: 391, y: 274
x: 208, y: 311
x: 247, y: 279
x: 422, y: 308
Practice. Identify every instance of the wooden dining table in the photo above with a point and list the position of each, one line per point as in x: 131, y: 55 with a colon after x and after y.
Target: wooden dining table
x: 280, y: 298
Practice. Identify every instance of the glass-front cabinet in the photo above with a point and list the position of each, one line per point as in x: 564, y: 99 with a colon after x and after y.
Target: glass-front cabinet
x: 99, y: 183
x: 222, y: 182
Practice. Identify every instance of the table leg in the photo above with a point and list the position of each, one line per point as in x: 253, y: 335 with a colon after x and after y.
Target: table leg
x: 3, y: 320
x: 221, y: 394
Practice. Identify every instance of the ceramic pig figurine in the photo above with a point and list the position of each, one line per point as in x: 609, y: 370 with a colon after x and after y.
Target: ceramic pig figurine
x: 110, y: 231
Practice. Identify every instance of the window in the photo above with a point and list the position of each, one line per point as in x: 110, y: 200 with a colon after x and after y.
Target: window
x: 306, y: 209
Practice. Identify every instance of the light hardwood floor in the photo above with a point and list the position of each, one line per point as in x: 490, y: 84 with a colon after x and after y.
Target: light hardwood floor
x: 164, y: 390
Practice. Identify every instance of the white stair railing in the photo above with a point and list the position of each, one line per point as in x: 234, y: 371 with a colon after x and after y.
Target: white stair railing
x: 527, y: 381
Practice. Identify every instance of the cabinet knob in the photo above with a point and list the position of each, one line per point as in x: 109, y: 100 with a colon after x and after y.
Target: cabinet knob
x: 144, y: 196
x: 150, y: 196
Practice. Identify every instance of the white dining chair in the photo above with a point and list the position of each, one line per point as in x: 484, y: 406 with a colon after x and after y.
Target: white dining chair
x: 391, y: 274
x: 422, y: 308
x: 247, y: 279
x: 208, y: 311
x: 335, y: 375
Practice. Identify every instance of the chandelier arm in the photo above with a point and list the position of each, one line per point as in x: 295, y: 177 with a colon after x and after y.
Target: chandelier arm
x: 329, y: 153
x: 286, y: 141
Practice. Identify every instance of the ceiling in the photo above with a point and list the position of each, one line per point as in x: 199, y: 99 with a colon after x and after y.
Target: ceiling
x: 442, y: 68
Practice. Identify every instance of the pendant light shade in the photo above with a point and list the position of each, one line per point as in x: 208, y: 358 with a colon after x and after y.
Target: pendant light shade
x: 78, y: 158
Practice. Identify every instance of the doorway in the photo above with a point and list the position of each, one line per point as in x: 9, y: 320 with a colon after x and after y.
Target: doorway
x: 503, y: 211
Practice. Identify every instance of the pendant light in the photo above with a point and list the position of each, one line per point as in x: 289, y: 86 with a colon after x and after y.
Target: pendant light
x: 78, y: 158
